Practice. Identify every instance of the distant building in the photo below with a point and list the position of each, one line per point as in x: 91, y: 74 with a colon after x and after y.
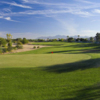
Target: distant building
x: 98, y: 37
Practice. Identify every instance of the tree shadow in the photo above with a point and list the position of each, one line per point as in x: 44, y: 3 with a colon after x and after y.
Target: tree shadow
x: 89, y: 93
x: 64, y: 51
x: 96, y: 50
x: 77, y: 45
x: 69, y: 67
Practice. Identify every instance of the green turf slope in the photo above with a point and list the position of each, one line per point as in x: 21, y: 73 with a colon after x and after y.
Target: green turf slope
x: 38, y: 60
x: 71, y: 73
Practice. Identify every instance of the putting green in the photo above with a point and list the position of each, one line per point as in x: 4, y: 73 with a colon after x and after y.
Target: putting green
x: 39, y: 60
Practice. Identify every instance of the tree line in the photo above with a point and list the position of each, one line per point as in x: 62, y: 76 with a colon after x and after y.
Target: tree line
x: 68, y: 39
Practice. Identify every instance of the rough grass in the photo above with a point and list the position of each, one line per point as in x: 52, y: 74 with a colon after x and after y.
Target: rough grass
x: 61, y: 77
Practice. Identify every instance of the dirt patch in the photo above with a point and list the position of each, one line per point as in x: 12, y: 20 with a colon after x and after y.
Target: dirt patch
x: 26, y: 47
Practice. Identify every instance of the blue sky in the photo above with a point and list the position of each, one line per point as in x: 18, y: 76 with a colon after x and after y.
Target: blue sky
x: 36, y: 18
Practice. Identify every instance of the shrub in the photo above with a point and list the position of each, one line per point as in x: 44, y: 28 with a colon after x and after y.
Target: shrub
x: 19, y: 47
x: 4, y: 50
x: 38, y: 47
x: 0, y: 50
x: 19, y: 43
x: 14, y: 48
x: 2, y: 42
x: 9, y: 44
x: 70, y: 39
x: 24, y: 41
x: 34, y: 47
x: 9, y: 48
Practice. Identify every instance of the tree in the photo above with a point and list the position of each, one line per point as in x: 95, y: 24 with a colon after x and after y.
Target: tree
x: 71, y: 39
x: 78, y: 36
x: 41, y: 40
x: 61, y: 39
x: 9, y: 40
x: 19, y: 39
x: 85, y: 40
x: 2, y: 42
x: 67, y: 38
x: 78, y: 39
x: 82, y: 39
x: 91, y: 39
x: 54, y: 40
x: 9, y: 37
x: 98, y: 37
x: 24, y: 41
x: 19, y: 45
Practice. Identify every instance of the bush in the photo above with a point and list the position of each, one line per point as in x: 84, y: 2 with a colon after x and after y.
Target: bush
x: 34, y: 47
x: 38, y: 47
x: 9, y: 44
x: 0, y: 50
x: 19, y: 47
x: 70, y: 39
x: 14, y: 48
x: 19, y: 43
x: 4, y: 50
x: 24, y: 41
x: 9, y: 48
x: 3, y: 42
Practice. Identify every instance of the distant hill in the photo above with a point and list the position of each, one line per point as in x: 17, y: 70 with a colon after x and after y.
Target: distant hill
x: 61, y: 36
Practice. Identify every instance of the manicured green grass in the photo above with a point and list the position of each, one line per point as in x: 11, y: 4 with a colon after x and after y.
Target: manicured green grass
x: 36, y: 75
x: 64, y: 48
x: 39, y: 60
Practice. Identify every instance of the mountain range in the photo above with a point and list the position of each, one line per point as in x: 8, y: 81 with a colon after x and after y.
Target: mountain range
x: 60, y: 36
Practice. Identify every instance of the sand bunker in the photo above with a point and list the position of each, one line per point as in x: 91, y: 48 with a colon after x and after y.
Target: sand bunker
x: 26, y: 47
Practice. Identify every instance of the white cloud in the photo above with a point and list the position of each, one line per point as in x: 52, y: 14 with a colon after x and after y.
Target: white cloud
x: 96, y: 11
x: 41, y: 2
x: 7, y: 9
x: 8, y: 18
x: 15, y: 4
x: 81, y: 8
x: 49, y: 12
x: 84, y: 1
x: 53, y: 8
x: 1, y: 16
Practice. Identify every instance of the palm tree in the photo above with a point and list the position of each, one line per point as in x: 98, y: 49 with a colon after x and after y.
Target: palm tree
x: 78, y: 36
x: 67, y: 37
x: 9, y: 39
x: 9, y: 36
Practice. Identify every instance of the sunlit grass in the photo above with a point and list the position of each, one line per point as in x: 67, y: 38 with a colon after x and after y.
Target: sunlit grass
x: 64, y: 48
x: 39, y: 60
x: 36, y: 75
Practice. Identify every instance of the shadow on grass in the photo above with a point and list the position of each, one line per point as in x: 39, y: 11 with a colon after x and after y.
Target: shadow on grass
x: 89, y: 93
x: 77, y: 51
x: 77, y: 45
x: 69, y: 67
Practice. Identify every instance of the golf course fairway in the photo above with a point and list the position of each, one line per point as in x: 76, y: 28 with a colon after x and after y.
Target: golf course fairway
x: 39, y: 60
